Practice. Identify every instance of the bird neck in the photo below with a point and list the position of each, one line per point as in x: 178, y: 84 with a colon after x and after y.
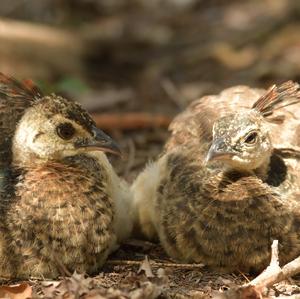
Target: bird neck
x: 75, y: 170
x: 263, y: 170
x: 80, y: 161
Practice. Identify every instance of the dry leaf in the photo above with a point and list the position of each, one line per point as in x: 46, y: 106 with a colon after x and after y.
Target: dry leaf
x: 50, y: 288
x: 20, y: 291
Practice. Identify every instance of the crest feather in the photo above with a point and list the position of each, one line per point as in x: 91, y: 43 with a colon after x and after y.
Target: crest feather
x: 10, y: 88
x: 276, y: 97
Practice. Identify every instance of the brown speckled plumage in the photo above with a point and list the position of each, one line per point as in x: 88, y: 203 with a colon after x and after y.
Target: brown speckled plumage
x: 58, y: 198
x: 225, y: 214
x: 225, y: 220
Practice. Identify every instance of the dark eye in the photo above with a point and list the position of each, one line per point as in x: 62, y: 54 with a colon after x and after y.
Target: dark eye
x: 65, y: 131
x: 251, y: 138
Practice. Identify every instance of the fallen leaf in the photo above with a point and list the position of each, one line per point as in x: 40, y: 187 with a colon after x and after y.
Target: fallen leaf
x: 50, y: 288
x: 20, y: 291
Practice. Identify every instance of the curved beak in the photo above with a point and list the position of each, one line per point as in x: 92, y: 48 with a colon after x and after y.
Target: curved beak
x: 102, y: 142
x: 218, y: 151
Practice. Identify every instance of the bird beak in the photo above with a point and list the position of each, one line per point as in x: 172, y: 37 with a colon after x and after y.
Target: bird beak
x: 218, y: 151
x: 102, y: 142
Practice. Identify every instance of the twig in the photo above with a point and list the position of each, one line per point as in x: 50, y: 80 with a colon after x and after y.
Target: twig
x: 129, y: 121
x: 153, y: 264
x: 274, y: 274
x: 270, y: 276
x: 266, y: 278
x: 30, y: 278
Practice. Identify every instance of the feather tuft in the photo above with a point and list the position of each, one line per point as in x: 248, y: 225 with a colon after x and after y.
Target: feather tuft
x: 277, y: 97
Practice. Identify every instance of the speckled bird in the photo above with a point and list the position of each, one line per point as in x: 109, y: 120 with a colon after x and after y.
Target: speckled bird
x: 62, y: 205
x: 228, y: 182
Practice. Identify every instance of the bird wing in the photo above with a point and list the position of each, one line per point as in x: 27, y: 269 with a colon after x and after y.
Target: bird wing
x: 15, y: 98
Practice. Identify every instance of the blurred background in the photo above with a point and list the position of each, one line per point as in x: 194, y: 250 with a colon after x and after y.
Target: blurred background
x: 134, y: 64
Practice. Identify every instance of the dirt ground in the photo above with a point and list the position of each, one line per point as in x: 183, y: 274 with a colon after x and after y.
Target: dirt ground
x: 141, y: 270
x: 140, y: 63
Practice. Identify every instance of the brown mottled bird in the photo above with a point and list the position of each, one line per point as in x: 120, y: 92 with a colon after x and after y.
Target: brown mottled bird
x: 61, y: 206
x: 228, y: 182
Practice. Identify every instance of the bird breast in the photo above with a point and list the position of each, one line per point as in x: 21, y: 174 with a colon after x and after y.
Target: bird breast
x: 63, y: 208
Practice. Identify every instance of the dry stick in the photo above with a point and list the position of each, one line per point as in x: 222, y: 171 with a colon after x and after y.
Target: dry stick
x: 155, y: 264
x: 272, y: 275
x: 30, y: 278
x: 265, y: 279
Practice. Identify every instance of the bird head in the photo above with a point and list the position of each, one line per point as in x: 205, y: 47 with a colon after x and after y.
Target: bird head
x: 54, y: 128
x: 242, y: 140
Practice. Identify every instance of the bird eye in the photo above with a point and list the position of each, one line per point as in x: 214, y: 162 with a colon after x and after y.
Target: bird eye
x: 65, y: 131
x: 251, y: 138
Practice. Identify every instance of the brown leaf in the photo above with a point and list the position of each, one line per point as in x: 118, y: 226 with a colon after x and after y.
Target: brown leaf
x: 76, y: 285
x: 50, y: 288
x: 20, y: 291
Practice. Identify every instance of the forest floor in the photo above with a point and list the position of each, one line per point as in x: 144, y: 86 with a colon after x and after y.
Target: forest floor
x: 141, y: 270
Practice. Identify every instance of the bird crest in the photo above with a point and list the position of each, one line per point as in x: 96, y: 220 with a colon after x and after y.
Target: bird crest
x: 15, y: 98
x: 277, y: 97
x: 11, y: 89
